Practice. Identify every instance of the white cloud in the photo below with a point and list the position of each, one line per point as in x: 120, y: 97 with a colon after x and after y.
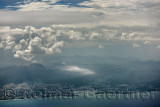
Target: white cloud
x: 75, y: 35
x: 124, y: 36
x: 135, y: 45
x: 147, y: 42
x: 129, y: 20
x: 94, y: 35
x: 119, y: 4
x: 29, y: 42
x: 82, y: 71
x: 100, y: 46
x: 44, y: 17
x: 109, y: 12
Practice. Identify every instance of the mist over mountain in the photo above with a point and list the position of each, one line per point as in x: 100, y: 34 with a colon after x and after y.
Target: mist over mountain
x: 37, y: 73
x: 136, y: 72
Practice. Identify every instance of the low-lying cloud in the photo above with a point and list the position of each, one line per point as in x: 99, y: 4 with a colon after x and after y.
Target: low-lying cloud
x: 76, y: 69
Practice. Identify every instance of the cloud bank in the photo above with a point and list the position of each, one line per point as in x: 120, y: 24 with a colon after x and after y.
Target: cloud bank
x: 82, y: 71
x: 44, y: 27
x: 29, y: 42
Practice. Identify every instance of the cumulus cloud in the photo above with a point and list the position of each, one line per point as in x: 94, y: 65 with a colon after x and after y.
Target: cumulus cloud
x: 29, y: 42
x: 127, y: 20
x: 76, y: 69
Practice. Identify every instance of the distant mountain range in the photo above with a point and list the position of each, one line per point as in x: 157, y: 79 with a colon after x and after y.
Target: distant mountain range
x: 131, y: 72
x: 37, y: 73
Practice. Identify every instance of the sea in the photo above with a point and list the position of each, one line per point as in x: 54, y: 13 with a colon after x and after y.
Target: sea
x: 82, y: 102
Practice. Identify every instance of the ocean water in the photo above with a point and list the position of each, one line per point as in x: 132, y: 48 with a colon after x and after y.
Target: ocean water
x: 81, y: 102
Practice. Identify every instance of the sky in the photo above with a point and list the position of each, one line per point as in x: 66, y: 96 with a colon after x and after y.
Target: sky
x: 48, y: 31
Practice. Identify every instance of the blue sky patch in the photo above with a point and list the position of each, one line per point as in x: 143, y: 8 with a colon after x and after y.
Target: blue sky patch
x: 5, y: 3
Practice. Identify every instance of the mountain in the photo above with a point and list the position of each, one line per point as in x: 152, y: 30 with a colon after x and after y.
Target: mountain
x: 135, y: 72
x: 37, y: 73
